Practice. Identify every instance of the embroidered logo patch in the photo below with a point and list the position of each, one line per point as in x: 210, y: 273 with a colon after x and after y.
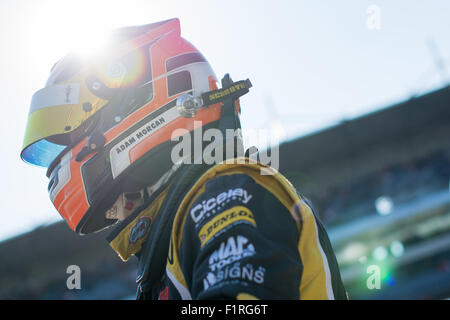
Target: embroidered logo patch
x: 223, y: 221
x: 227, y: 264
x: 140, y: 229
x: 206, y: 207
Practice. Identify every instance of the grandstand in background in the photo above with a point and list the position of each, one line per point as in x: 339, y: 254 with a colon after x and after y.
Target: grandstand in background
x: 379, y: 183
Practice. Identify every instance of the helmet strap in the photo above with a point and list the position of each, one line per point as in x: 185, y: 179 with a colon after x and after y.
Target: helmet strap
x: 229, y: 119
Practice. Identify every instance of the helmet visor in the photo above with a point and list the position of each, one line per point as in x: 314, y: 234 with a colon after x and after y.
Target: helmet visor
x: 56, y: 112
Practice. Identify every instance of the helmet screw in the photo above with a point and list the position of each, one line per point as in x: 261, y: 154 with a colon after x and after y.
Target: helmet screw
x: 117, y: 119
x: 188, y: 105
x: 67, y: 128
x: 87, y: 106
x: 96, y: 86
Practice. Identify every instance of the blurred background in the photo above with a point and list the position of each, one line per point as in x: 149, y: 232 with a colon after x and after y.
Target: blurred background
x: 359, y: 91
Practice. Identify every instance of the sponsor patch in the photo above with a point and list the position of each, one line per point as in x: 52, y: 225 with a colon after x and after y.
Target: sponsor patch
x: 140, y: 229
x: 235, y: 215
x: 236, y: 273
x: 210, y: 206
x: 226, y: 264
x: 231, y: 250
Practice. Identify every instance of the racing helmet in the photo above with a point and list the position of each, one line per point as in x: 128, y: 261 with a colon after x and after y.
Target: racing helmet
x: 103, y: 126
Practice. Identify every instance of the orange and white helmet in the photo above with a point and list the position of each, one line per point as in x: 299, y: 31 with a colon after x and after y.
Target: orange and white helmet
x: 103, y: 127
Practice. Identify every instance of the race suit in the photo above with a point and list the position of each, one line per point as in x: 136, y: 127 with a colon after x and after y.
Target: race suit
x: 232, y: 231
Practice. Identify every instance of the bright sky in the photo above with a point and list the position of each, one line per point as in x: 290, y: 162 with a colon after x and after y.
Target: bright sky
x: 312, y: 64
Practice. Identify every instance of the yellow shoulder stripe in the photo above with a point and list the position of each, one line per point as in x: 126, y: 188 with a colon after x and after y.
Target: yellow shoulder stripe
x: 316, y: 278
x: 245, y: 296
